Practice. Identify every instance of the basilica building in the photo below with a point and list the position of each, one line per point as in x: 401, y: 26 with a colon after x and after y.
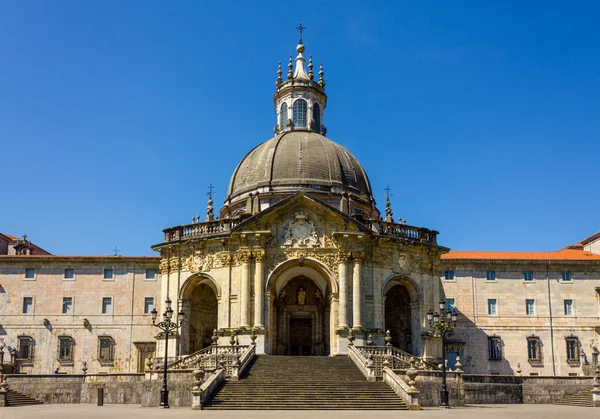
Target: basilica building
x: 300, y: 261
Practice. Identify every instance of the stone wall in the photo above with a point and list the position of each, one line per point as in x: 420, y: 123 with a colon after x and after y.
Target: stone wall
x: 429, y: 384
x: 180, y: 385
x: 499, y: 389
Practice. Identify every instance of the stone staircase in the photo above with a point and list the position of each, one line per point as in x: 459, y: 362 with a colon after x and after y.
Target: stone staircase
x: 302, y: 383
x: 582, y: 398
x: 14, y: 398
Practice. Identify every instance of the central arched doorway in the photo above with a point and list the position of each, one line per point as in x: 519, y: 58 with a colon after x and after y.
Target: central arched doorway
x: 398, y: 317
x: 302, y: 319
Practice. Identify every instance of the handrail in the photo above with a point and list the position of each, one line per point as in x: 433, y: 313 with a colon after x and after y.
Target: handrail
x: 397, y: 358
x: 362, y: 363
x: 214, y: 351
x: 409, y: 394
x: 245, y: 359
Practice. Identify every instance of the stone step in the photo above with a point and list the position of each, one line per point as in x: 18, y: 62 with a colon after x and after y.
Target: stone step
x: 14, y: 398
x: 581, y: 399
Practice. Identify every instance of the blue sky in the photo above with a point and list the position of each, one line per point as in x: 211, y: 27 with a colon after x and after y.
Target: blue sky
x: 482, y: 117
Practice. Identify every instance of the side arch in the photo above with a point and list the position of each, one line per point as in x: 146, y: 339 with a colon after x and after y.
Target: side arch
x: 193, y: 281
x: 416, y: 294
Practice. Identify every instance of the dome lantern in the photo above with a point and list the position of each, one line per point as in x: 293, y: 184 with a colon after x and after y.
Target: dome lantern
x: 300, y: 101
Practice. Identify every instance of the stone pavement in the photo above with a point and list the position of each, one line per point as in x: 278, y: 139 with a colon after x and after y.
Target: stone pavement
x: 88, y: 411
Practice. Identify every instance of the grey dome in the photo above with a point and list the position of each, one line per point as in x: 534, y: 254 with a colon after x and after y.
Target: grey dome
x: 299, y: 160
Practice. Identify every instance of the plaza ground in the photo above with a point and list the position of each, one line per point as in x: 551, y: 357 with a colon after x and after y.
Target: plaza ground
x: 88, y: 411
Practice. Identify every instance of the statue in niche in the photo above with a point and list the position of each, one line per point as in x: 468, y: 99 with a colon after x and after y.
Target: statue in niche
x: 282, y: 295
x: 301, y: 296
x: 318, y: 294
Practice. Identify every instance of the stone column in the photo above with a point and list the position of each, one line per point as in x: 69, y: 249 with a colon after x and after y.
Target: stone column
x: 259, y: 291
x: 244, y: 258
x: 357, y: 293
x: 342, y: 272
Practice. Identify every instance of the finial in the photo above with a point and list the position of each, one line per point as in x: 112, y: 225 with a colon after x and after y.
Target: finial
x: 310, y: 68
x: 279, y: 79
x: 300, y: 28
x: 387, y: 194
x: 321, y: 73
x: 388, y: 206
x: 116, y: 251
x: 290, y: 67
x: 209, y: 209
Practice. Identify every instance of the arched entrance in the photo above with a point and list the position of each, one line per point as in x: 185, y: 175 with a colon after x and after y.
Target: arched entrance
x: 300, y: 320
x: 200, y: 302
x: 398, y: 317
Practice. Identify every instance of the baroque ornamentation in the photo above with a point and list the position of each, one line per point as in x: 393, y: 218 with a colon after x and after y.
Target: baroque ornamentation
x: 221, y: 259
x: 259, y: 255
x: 301, y: 232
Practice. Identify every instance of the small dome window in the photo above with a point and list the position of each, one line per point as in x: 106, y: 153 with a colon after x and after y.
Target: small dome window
x: 283, y: 115
x: 300, y: 113
x: 317, y: 117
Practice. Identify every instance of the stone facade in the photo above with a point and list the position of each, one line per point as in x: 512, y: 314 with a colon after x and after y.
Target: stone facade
x: 63, y: 299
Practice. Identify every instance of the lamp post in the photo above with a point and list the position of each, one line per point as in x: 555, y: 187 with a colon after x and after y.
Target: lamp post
x: 166, y: 326
x: 2, y: 355
x: 443, y: 323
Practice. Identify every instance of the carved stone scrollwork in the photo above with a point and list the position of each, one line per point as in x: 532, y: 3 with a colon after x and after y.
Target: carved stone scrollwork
x: 342, y: 256
x: 174, y: 264
x: 221, y: 259
x: 164, y: 266
x: 243, y: 256
x: 301, y: 232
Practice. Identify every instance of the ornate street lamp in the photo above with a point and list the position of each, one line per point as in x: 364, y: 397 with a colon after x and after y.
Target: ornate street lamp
x: 443, y: 323
x: 166, y: 326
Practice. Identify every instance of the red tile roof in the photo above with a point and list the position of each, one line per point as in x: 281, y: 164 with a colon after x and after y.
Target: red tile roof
x: 564, y: 254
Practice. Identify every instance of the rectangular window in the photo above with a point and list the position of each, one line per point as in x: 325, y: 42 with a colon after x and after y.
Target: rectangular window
x: 67, y: 306
x: 148, y: 304
x: 107, y: 305
x: 106, y: 346
x: 108, y: 274
x: 490, y: 275
x: 28, y: 305
x: 29, y: 273
x: 25, y: 351
x: 450, y: 304
x: 532, y: 350
x: 566, y: 276
x: 527, y: 276
x: 69, y: 273
x: 529, y: 307
x: 572, y: 349
x: 492, y: 307
x: 449, y: 275
x: 494, y: 349
x: 65, y: 349
x: 150, y: 273
x: 568, y: 307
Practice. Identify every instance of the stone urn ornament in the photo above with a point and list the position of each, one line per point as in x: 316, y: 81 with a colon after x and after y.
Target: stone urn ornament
x: 351, y: 338
x: 215, y: 338
x: 369, y: 340
x: 388, y: 338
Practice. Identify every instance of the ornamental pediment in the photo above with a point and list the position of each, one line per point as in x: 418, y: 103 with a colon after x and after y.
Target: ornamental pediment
x: 300, y: 230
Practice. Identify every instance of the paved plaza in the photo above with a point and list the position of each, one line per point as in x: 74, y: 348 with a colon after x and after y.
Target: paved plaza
x: 87, y: 411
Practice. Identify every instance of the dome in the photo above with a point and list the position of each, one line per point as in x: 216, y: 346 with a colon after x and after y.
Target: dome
x: 299, y: 160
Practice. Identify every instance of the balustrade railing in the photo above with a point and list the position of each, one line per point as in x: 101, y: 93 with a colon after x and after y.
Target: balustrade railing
x: 403, y: 231
x: 222, y: 227
x: 233, y: 359
x: 375, y: 358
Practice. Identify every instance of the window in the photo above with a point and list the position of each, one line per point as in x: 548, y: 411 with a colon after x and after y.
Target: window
x: 568, y: 307
x: 494, y: 344
x: 534, y: 349
x: 527, y: 276
x: 283, y: 115
x: 106, y: 350
x: 150, y: 273
x: 65, y: 349
x: 300, y: 113
x: 572, y: 348
x: 492, y: 307
x: 25, y: 351
x: 529, y: 307
x: 566, y: 276
x: 108, y: 274
x: 29, y: 273
x: 28, y: 305
x: 317, y: 117
x: 67, y: 305
x: 107, y: 305
x: 450, y: 304
x: 490, y: 275
x: 449, y: 275
x: 69, y: 273
x: 148, y: 304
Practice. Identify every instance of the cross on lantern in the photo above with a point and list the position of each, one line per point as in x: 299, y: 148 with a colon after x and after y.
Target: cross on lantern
x: 300, y: 28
